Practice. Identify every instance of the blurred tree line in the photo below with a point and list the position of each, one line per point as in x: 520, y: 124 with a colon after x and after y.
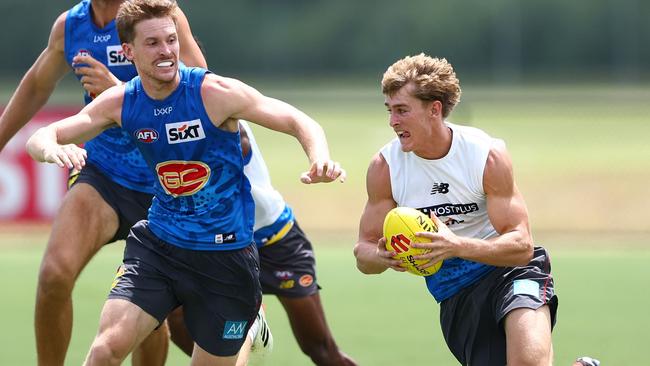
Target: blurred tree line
x: 506, y: 41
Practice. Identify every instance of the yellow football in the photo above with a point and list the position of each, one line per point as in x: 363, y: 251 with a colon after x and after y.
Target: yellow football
x: 400, y: 226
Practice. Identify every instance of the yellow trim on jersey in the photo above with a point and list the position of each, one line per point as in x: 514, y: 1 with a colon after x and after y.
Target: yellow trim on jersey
x: 280, y: 234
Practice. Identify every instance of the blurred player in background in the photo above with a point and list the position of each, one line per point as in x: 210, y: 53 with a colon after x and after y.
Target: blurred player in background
x: 114, y: 189
x: 196, y: 248
x: 287, y: 267
x: 495, y: 289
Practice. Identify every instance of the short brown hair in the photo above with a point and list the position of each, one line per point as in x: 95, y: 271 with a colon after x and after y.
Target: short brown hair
x: 133, y: 11
x: 432, y: 78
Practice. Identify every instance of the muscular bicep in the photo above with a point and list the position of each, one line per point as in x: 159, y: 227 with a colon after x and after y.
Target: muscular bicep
x: 505, y: 204
x: 229, y: 99
x: 380, y: 200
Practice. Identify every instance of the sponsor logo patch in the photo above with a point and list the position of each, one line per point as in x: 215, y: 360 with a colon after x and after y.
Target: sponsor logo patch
x: 116, y: 57
x: 283, y: 275
x: 162, y: 111
x: 225, y: 238
x: 146, y: 135
x: 287, y: 284
x: 399, y: 243
x: 306, y: 280
x: 182, y: 178
x: 118, y: 275
x: 101, y: 38
x: 448, y: 209
x: 442, y: 188
x: 525, y: 287
x: 180, y: 132
x: 234, y: 330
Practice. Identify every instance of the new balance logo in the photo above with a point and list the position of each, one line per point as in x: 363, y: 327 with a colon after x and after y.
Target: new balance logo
x: 442, y: 188
x: 180, y: 132
x: 400, y: 243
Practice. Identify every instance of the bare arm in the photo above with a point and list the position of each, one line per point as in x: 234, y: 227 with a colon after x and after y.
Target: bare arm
x: 370, y: 249
x: 228, y: 100
x: 191, y: 54
x: 508, y: 214
x: 55, y: 143
x: 37, y: 85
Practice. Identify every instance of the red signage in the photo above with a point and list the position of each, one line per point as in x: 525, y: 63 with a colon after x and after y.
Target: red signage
x: 31, y: 191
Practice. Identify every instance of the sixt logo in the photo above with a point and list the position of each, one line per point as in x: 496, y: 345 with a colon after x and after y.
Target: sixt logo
x: 102, y: 38
x: 180, y: 132
x: 183, y: 178
x: 116, y: 57
x: 162, y: 111
x: 400, y: 243
x: 146, y: 135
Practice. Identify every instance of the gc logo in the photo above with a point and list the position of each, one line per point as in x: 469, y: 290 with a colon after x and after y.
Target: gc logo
x: 182, y: 178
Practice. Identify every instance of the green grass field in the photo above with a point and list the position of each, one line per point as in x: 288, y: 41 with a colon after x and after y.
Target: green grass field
x: 581, y: 159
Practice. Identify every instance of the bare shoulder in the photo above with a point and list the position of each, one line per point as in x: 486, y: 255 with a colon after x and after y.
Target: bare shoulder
x: 498, y: 174
x: 57, y: 34
x: 221, y: 85
x: 378, y: 178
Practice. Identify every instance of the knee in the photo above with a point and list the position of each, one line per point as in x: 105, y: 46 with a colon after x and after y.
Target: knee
x: 537, y: 355
x: 55, y: 278
x: 105, y: 352
x: 321, y: 352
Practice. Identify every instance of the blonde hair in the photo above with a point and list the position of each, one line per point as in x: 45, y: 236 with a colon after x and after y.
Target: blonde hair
x: 133, y: 11
x: 432, y: 78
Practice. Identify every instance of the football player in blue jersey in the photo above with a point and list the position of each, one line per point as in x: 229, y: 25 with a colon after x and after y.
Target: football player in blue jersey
x: 287, y: 268
x: 196, y: 248
x: 112, y: 192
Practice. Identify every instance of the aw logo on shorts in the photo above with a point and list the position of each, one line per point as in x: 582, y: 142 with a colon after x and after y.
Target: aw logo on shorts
x: 116, y: 57
x: 234, y: 330
x: 180, y: 132
x: 400, y: 243
x: 182, y: 178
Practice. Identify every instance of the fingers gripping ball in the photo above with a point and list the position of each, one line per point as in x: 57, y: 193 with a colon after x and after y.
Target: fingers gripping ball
x: 400, y: 226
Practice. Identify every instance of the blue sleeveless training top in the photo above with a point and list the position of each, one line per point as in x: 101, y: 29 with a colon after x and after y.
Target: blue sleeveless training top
x: 112, y: 151
x: 202, y: 198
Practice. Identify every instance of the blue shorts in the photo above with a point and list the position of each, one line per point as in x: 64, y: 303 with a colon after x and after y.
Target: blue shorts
x: 219, y: 290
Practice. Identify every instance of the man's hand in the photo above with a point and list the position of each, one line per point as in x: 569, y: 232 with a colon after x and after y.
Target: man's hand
x: 95, y: 76
x: 385, y: 256
x: 443, y: 244
x: 66, y: 156
x: 323, y: 172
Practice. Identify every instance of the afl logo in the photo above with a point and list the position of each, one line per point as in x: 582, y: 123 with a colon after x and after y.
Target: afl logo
x: 182, y: 178
x: 83, y: 52
x: 146, y: 135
